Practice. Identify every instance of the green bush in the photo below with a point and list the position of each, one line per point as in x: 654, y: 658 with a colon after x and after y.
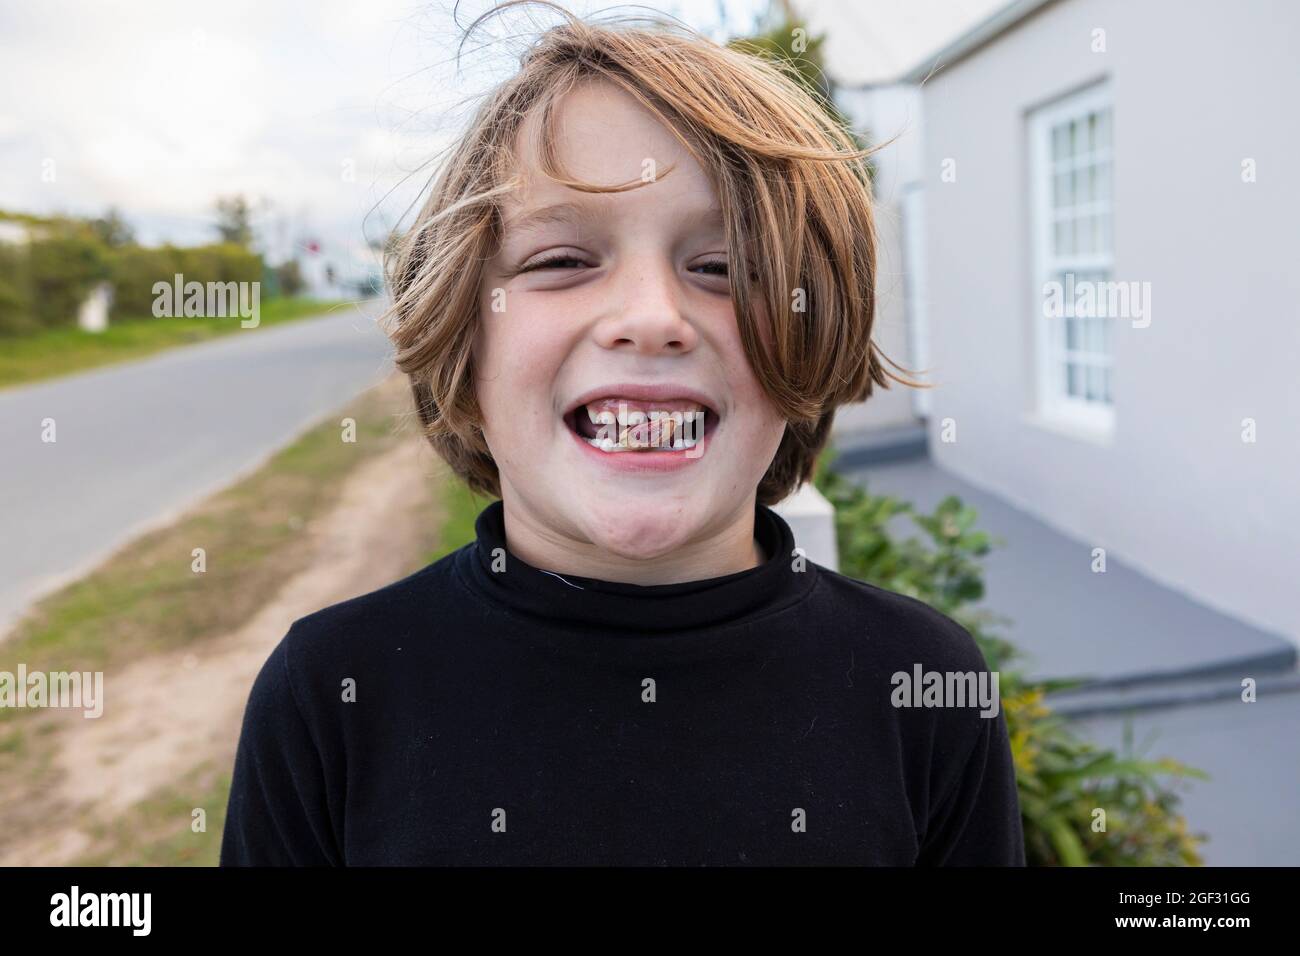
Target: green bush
x: 44, y: 280
x: 16, y: 313
x: 64, y: 262
x: 135, y: 269
x: 288, y: 276
x: 1062, y: 780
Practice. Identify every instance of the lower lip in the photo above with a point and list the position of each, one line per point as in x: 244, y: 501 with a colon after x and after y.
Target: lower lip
x: 646, y: 461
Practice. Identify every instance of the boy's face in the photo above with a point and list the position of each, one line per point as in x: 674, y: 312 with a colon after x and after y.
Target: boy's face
x: 629, y: 323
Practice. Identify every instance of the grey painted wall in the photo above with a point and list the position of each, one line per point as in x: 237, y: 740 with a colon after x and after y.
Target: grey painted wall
x: 1197, y: 87
x: 885, y: 116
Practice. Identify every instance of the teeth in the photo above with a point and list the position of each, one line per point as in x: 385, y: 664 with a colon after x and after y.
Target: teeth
x: 628, y: 442
x: 613, y: 447
x: 647, y: 429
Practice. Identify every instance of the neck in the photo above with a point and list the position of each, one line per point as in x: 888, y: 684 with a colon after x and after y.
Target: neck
x: 725, y: 550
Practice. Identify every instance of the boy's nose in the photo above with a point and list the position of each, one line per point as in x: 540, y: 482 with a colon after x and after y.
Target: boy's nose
x: 648, y: 318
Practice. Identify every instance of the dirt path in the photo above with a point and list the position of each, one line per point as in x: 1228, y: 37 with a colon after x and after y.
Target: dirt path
x: 167, y: 714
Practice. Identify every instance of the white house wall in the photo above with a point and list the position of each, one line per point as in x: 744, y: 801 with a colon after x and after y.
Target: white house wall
x: 1197, y: 88
x: 886, y: 114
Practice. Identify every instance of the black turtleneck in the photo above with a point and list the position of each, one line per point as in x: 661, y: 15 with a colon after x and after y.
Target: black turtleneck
x: 483, y: 711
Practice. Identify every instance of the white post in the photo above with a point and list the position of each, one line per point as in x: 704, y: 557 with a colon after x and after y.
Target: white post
x: 92, y: 316
x: 812, y: 519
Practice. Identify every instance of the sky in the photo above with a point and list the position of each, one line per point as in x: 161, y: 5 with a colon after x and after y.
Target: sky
x: 324, y: 113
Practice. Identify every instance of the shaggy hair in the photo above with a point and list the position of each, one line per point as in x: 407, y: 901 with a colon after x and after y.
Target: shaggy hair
x: 781, y: 167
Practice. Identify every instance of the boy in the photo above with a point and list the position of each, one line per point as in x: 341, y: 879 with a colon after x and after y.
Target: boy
x: 638, y: 291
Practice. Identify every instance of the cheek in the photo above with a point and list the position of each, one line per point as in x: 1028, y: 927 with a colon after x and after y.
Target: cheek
x: 744, y: 383
x: 515, y: 365
x: 758, y: 424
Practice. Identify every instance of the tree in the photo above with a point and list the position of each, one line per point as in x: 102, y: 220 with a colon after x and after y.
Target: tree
x: 790, y: 45
x: 112, y: 229
x: 235, y: 220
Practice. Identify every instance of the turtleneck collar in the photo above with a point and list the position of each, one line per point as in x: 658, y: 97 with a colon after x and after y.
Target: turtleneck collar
x: 616, y: 607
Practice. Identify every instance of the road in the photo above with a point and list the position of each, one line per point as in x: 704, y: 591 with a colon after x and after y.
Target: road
x: 138, y: 443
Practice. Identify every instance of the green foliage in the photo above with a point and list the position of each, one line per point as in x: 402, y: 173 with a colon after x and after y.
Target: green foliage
x: 45, y: 278
x: 800, y: 54
x: 112, y: 229
x: 234, y: 220
x: 289, y: 277
x: 135, y: 270
x: 1062, y: 779
x: 64, y: 262
x: 16, y: 313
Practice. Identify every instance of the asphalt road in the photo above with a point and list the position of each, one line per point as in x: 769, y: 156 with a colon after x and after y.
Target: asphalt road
x: 139, y: 442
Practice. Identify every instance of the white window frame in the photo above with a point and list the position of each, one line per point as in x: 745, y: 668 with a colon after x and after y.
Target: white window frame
x: 1054, y: 406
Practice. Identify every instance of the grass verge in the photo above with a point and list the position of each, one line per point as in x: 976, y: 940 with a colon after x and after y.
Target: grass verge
x: 460, y: 509
x: 55, y: 352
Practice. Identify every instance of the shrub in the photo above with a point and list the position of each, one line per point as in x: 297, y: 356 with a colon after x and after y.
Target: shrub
x: 16, y: 314
x: 1061, y: 779
x: 135, y: 269
x: 289, y: 278
x: 44, y: 280
x: 64, y: 263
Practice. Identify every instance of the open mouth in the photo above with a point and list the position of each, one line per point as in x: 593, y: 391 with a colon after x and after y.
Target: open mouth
x: 616, y: 424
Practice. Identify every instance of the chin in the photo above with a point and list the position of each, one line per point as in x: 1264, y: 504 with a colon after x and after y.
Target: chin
x: 642, y: 531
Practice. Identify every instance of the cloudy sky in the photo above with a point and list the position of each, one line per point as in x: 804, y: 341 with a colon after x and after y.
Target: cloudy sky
x: 324, y: 111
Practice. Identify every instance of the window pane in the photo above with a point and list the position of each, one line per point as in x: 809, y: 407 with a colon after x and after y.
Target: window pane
x: 1073, y: 193
x: 1095, y: 387
x: 1101, y: 189
x: 1094, y: 341
x: 1063, y: 244
x: 1060, y: 144
x: 1061, y: 196
x: 1085, y: 234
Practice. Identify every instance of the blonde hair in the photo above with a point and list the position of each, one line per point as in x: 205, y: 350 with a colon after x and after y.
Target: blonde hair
x: 781, y: 166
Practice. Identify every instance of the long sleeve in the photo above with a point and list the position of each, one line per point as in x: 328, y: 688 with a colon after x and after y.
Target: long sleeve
x: 278, y: 812
x: 977, y: 823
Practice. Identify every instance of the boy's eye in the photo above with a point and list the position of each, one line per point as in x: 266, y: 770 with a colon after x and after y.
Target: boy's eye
x: 565, y: 261
x: 720, y: 267
x: 554, y: 262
